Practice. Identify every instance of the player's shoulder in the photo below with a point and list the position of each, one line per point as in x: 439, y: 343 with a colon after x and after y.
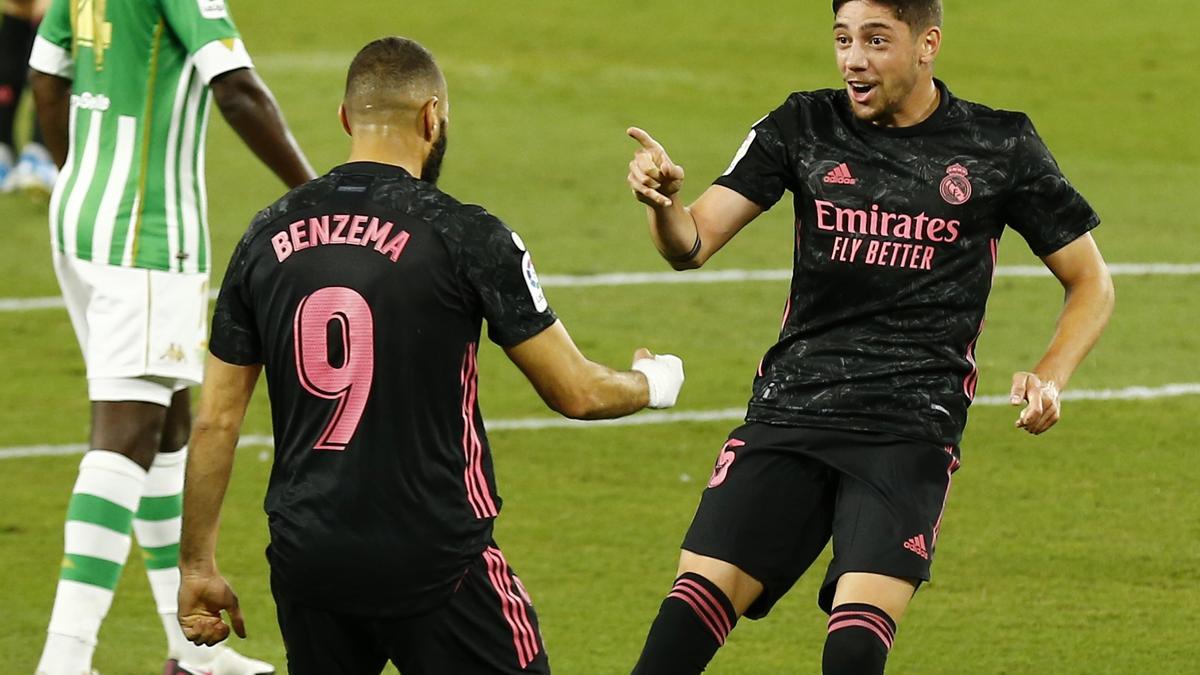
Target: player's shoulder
x: 1012, y: 121
x: 299, y: 198
x: 810, y: 103
x: 467, y: 226
x: 808, y: 113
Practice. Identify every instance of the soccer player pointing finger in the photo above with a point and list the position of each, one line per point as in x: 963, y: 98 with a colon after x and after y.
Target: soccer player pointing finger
x: 362, y: 294
x: 901, y: 192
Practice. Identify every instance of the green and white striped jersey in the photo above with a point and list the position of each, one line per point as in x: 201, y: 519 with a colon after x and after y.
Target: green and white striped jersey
x: 132, y: 190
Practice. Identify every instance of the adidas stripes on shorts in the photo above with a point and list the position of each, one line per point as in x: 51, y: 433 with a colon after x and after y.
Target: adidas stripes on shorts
x: 143, y: 332
x: 778, y: 494
x: 487, y: 627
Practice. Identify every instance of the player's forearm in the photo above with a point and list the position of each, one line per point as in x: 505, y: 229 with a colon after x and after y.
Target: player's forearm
x: 674, y: 233
x: 210, y: 464
x: 1086, y: 310
x: 52, y: 95
x: 250, y: 109
x: 596, y: 392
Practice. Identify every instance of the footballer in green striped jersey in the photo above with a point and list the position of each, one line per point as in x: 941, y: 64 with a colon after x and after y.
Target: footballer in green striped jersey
x: 132, y: 190
x: 123, y: 89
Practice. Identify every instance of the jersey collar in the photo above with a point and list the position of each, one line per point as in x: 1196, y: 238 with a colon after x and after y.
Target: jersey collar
x: 372, y: 169
x: 934, y: 121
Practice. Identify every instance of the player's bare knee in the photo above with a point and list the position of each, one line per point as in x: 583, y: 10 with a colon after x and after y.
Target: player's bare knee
x: 741, y: 588
x: 131, y: 428
x: 890, y: 594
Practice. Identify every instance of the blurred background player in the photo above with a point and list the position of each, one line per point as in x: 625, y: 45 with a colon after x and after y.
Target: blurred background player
x: 362, y: 294
x: 34, y: 170
x: 123, y: 89
x: 901, y: 193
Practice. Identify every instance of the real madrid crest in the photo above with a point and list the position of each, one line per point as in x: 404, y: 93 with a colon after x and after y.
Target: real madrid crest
x: 956, y: 187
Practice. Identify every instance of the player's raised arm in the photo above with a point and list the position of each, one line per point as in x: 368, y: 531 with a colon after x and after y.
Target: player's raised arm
x: 251, y: 110
x: 1087, y: 306
x: 687, y: 236
x: 577, y: 387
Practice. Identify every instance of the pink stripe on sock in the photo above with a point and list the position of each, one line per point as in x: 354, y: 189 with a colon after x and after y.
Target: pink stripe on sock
x: 859, y: 623
x: 702, y: 612
x: 717, y: 608
x: 874, y: 618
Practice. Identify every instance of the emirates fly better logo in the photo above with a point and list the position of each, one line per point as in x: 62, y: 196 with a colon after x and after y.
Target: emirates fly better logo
x: 956, y: 187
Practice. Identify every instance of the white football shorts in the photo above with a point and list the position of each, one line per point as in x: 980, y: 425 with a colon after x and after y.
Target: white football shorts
x: 143, y: 333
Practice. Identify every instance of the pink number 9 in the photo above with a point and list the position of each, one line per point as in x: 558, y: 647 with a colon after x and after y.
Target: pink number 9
x: 350, y: 383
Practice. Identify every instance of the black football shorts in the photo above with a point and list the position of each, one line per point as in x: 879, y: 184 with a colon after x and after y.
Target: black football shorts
x: 778, y: 494
x: 487, y: 627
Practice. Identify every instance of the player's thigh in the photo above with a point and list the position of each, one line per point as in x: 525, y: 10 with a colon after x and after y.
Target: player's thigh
x: 767, y: 511
x: 886, y: 524
x: 319, y: 642
x: 489, y: 627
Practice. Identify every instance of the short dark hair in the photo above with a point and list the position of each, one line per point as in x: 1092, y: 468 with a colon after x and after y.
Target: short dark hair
x: 918, y: 14
x: 391, y: 69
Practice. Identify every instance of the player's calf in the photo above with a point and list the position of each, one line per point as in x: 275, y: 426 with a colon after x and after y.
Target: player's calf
x: 860, y: 637
x: 692, y: 623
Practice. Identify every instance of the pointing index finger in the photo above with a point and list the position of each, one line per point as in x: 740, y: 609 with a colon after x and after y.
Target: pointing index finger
x: 646, y: 140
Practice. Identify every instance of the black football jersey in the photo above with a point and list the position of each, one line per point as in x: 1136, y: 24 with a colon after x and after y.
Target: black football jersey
x: 896, y: 233
x: 362, y: 293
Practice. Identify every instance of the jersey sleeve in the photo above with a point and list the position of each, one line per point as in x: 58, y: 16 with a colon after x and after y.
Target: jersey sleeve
x: 235, y: 337
x: 207, y: 32
x: 761, y: 169
x: 498, y: 269
x: 52, y: 52
x: 1043, y: 206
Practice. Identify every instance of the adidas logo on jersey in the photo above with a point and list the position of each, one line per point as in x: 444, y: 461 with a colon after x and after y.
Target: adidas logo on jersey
x: 840, y: 175
x: 917, y: 545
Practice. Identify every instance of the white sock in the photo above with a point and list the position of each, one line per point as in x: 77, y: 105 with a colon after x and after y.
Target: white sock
x: 63, y: 654
x: 157, y: 527
x: 96, y: 543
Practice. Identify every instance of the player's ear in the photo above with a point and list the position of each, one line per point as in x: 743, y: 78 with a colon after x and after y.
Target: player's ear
x: 930, y: 45
x: 345, y: 119
x: 429, y: 118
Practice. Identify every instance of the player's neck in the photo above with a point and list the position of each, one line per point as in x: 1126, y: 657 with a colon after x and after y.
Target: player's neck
x: 386, y: 149
x: 920, y: 106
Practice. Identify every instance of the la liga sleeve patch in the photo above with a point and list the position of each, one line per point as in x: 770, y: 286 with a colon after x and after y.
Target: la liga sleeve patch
x: 531, y: 281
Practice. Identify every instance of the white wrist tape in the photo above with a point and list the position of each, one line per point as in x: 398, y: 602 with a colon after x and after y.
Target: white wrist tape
x: 664, y: 373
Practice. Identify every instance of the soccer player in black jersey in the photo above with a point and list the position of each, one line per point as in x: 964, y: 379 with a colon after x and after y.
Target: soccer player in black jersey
x: 362, y: 294
x: 901, y: 193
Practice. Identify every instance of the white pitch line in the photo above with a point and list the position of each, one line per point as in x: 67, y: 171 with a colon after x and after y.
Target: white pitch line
x: 642, y: 419
x: 708, y: 277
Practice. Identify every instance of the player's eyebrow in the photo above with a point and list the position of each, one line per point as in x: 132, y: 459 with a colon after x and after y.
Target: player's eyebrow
x: 870, y: 25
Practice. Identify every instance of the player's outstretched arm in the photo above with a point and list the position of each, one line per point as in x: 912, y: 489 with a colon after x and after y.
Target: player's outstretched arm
x: 579, y: 388
x: 1087, y: 306
x: 251, y: 110
x: 52, y: 96
x: 203, y: 592
x: 687, y: 236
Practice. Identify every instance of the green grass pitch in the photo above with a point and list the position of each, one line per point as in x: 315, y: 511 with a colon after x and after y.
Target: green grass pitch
x: 1076, y: 552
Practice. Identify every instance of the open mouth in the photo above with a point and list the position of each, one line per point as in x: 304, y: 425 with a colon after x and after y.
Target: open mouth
x: 860, y: 91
